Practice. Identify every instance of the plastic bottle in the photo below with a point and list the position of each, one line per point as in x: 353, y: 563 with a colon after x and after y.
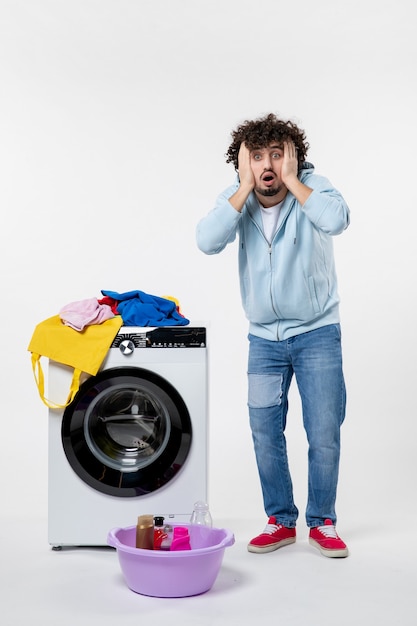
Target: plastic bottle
x: 201, y: 514
x: 167, y: 540
x: 144, y: 532
x: 181, y: 539
x: 160, y: 535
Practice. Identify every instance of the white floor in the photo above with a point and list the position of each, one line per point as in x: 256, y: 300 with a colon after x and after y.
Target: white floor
x: 292, y: 586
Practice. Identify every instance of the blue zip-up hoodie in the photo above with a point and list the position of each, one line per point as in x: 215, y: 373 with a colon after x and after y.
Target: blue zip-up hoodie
x: 287, y: 287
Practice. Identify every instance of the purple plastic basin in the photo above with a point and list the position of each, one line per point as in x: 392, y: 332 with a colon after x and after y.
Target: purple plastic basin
x: 176, y: 574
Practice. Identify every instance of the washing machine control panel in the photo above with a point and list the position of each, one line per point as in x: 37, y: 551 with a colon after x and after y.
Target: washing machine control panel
x: 130, y: 338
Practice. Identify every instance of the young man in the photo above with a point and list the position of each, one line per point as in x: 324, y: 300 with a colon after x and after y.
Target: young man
x: 285, y: 216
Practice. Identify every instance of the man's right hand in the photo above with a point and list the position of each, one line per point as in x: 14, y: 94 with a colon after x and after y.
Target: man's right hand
x: 246, y: 178
x: 244, y: 167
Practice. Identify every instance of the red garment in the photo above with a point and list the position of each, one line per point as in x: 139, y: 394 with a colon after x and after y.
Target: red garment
x: 111, y: 302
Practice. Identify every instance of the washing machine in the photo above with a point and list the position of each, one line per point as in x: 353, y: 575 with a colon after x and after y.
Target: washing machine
x: 134, y: 439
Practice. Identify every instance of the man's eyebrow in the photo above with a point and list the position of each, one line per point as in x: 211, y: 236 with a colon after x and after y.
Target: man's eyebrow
x: 273, y: 146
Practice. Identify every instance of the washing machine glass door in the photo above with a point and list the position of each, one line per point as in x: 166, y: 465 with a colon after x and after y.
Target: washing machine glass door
x: 127, y: 432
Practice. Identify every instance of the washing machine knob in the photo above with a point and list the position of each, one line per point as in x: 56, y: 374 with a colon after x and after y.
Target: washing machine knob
x: 127, y: 347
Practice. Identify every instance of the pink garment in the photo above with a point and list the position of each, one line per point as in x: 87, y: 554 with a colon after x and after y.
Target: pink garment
x: 83, y: 313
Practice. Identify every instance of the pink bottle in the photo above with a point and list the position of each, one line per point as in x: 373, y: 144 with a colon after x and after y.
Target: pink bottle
x: 181, y: 539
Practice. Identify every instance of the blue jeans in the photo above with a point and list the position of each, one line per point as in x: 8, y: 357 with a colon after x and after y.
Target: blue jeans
x: 315, y: 358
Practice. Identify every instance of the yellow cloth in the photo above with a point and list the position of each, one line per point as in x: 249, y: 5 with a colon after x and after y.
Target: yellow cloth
x: 84, y: 351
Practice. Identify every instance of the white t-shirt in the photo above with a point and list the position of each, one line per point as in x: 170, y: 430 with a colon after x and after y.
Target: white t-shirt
x: 270, y: 220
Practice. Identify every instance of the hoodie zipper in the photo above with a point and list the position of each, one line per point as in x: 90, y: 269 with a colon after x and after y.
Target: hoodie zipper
x: 270, y: 286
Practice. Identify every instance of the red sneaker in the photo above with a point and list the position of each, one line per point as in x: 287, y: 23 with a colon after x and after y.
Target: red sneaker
x: 326, y: 539
x: 273, y: 537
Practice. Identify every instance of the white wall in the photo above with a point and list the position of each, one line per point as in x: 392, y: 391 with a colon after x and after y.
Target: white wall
x: 115, y: 117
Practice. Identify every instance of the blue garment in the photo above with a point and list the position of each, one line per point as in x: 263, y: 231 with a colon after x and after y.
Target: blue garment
x: 138, y: 308
x: 289, y: 286
x: 316, y: 360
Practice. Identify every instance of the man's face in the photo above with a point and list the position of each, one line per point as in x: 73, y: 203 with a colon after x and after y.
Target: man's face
x: 266, y: 164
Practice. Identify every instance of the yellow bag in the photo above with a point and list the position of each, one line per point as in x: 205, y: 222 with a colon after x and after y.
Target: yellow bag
x: 85, y: 351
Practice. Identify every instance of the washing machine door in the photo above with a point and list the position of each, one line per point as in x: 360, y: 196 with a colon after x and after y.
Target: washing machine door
x: 127, y: 432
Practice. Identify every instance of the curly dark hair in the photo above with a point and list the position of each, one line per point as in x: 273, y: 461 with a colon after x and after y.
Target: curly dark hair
x: 261, y: 132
